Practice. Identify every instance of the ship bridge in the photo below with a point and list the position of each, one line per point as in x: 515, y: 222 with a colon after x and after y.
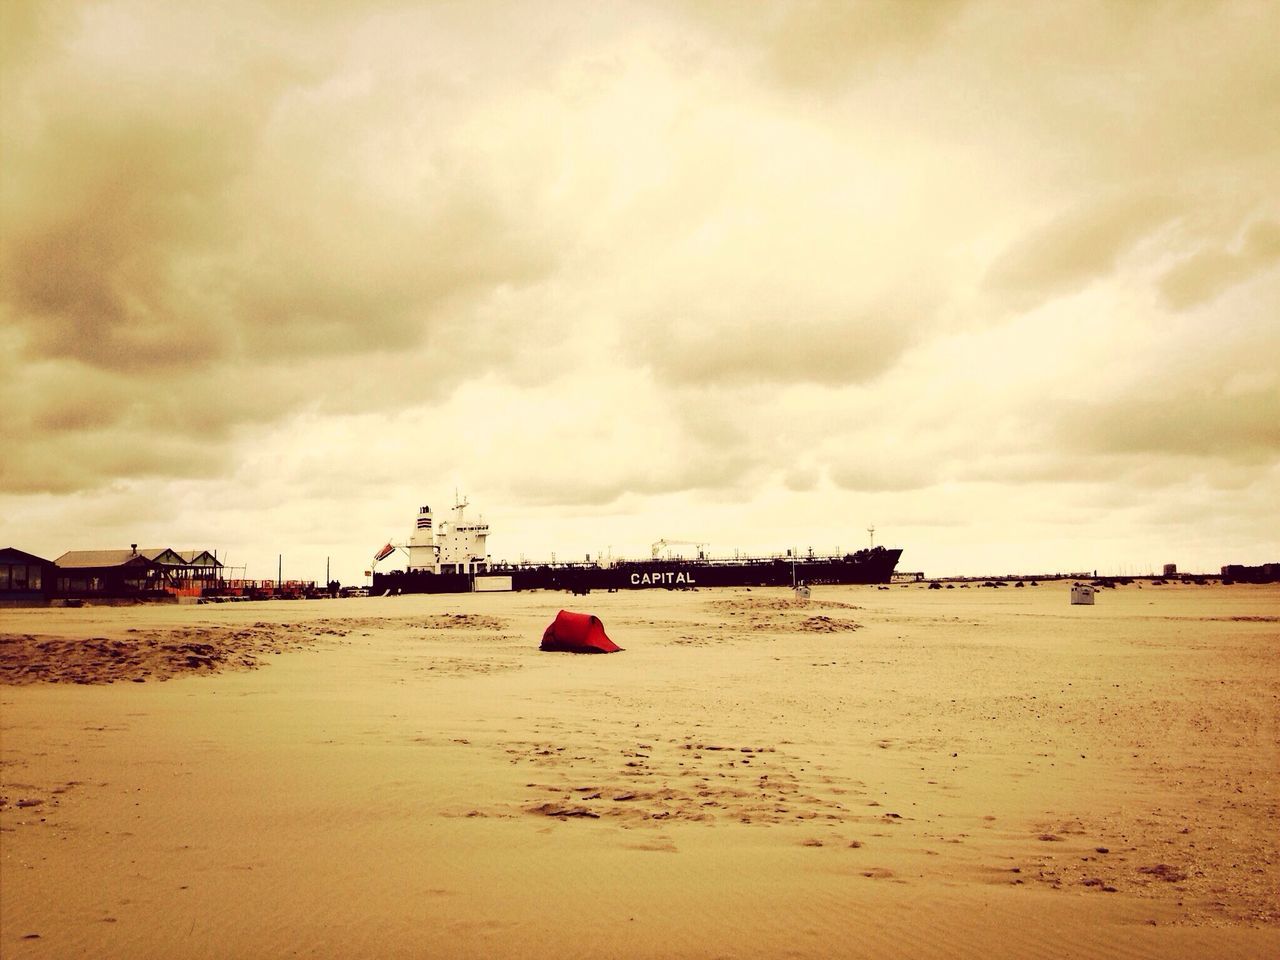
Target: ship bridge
x: 457, y: 545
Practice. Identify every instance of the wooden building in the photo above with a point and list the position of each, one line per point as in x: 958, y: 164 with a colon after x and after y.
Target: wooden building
x: 24, y: 577
x: 154, y: 572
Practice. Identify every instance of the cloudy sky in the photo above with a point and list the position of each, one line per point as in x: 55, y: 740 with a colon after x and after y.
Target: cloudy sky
x: 1001, y: 279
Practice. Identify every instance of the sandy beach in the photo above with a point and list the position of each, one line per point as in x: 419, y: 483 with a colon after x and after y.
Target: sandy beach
x: 970, y: 772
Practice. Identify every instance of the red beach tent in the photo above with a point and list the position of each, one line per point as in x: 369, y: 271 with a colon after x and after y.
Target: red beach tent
x: 577, y: 633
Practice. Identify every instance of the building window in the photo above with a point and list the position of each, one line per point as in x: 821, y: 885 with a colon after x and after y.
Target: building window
x: 4, y: 576
x: 34, y: 579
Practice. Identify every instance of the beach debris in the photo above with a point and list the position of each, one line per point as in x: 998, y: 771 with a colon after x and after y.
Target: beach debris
x: 563, y: 811
x: 1164, y: 871
x: 878, y: 873
x: 823, y: 624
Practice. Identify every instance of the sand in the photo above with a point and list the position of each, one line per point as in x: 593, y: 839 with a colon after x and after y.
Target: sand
x: 958, y: 773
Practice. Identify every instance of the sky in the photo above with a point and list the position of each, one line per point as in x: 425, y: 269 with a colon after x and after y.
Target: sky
x: 1001, y: 281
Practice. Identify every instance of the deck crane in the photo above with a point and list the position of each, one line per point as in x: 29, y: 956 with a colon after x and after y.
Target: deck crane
x: 659, y: 545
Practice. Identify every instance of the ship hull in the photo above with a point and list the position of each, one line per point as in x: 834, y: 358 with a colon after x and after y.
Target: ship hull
x: 864, y: 567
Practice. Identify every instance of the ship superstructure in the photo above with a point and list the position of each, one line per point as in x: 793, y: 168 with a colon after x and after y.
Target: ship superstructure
x: 456, y: 546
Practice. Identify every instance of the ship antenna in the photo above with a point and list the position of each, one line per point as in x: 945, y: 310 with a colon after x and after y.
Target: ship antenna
x: 871, y: 531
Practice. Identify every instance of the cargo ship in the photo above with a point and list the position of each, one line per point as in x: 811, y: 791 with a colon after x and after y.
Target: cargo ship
x: 452, y: 558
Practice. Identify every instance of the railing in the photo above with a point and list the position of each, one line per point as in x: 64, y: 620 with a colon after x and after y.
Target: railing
x: 261, y: 589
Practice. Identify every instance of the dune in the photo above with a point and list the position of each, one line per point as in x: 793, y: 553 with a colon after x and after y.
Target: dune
x: 875, y: 773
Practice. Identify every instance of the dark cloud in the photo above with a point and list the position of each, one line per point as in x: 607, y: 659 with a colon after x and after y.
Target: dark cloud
x: 1208, y: 408
x: 1207, y: 274
x: 1211, y: 407
x: 376, y: 278
x: 871, y: 472
x: 163, y: 235
x: 1243, y: 425
x: 100, y: 270
x: 698, y: 469
x: 802, y: 479
x: 823, y: 44
x: 199, y: 236
x: 778, y: 337
x: 784, y: 352
x: 56, y: 408
x: 26, y: 28
x: 80, y: 457
x: 1076, y: 248
x: 73, y: 426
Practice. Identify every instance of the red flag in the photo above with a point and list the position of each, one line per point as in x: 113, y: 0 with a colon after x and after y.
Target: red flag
x: 384, y: 552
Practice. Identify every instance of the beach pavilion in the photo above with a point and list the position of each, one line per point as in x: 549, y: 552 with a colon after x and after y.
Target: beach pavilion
x: 155, y: 571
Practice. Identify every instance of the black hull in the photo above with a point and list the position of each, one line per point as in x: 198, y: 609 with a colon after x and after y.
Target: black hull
x: 865, y: 566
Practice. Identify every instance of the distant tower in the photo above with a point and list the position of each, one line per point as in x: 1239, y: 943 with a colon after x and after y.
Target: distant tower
x: 423, y: 552
x: 871, y: 532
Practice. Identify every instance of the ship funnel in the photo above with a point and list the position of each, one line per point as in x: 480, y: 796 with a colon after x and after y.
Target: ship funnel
x: 422, y: 527
x: 422, y: 542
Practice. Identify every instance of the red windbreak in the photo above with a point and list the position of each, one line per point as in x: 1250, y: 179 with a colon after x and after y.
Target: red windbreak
x: 577, y: 633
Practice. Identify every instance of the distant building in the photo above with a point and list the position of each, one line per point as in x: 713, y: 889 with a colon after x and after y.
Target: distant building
x: 24, y: 577
x: 1264, y: 573
x: 1170, y: 569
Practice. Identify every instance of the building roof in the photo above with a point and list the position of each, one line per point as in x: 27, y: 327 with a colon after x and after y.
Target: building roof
x: 14, y: 555
x: 165, y: 556
x: 77, y: 559
x: 199, y: 558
